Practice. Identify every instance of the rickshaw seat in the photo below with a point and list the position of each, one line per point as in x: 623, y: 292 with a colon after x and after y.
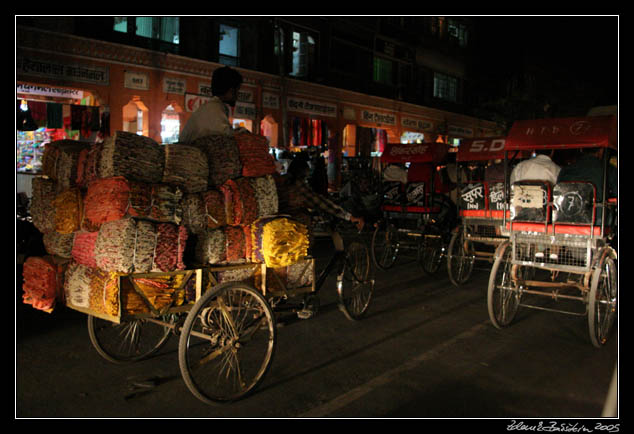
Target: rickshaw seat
x: 557, y: 228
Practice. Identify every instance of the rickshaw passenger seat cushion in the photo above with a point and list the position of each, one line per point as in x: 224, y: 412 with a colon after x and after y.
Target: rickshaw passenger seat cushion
x: 573, y: 202
x: 529, y: 201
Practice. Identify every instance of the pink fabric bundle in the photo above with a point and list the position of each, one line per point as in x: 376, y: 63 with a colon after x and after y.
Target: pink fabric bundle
x: 240, y: 201
x: 84, y: 248
x: 43, y: 282
x: 254, y: 155
x: 170, y: 247
x: 106, y: 200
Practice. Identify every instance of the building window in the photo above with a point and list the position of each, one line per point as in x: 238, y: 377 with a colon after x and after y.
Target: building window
x: 121, y: 24
x: 228, y: 45
x: 303, y: 54
x: 445, y: 87
x: 458, y: 32
x: 383, y: 70
x: 161, y: 28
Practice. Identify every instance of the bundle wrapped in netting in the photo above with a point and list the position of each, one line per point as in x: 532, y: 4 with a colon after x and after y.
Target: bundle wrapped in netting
x: 278, y: 241
x: 186, y: 166
x: 155, y: 294
x: 245, y: 274
x: 60, y: 161
x: 92, y: 288
x: 226, y: 245
x: 254, y: 155
x: 68, y: 207
x: 129, y: 245
x: 113, y: 198
x: 83, y: 251
x: 204, y: 210
x: 42, y: 210
x: 135, y: 157
x: 240, y: 201
x: 265, y: 191
x: 57, y: 244
x: 223, y: 157
x: 88, y: 164
x: 43, y: 280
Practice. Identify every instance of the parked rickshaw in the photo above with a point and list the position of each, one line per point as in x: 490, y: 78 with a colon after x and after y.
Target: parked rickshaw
x: 481, y: 204
x: 560, y: 236
x: 410, y: 207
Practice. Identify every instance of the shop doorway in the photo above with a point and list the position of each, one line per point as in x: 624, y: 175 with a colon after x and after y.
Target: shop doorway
x: 171, y: 123
x: 136, y: 117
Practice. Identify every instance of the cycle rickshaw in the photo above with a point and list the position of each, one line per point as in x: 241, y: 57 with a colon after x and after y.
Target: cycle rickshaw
x: 227, y: 332
x: 410, y: 207
x: 559, y: 244
x: 480, y: 209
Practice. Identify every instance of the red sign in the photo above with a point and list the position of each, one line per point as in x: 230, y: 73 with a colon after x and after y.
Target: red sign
x: 414, y: 152
x: 563, y: 133
x: 481, y: 149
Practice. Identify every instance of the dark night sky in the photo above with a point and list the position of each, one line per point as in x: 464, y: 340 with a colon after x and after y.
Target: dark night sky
x: 580, y: 47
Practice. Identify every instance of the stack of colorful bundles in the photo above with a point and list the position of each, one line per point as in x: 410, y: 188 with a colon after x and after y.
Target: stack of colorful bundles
x: 137, y: 158
x: 186, y: 167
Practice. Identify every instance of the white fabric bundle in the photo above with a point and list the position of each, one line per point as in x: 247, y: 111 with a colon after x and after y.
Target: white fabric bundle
x: 137, y: 158
x: 187, y: 167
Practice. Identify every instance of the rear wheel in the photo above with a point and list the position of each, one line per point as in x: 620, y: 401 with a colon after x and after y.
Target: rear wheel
x: 431, y: 250
x: 460, y: 258
x: 354, y: 283
x: 503, y: 297
x: 128, y: 341
x: 227, y: 343
x: 384, y: 245
x: 602, y: 301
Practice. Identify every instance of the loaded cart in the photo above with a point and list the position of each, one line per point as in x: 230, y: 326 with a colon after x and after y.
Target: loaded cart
x: 201, y: 254
x: 560, y: 244
x: 480, y: 207
x: 410, y: 206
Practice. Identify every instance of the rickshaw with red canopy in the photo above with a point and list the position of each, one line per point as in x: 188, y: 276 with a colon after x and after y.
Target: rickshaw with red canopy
x: 481, y: 206
x: 411, y: 207
x: 559, y: 245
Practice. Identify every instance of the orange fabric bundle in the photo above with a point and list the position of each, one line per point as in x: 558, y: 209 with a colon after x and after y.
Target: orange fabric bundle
x: 106, y: 200
x: 240, y: 202
x: 254, y: 155
x: 43, y: 282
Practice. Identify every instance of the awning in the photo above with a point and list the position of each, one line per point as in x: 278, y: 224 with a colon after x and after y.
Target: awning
x: 414, y: 153
x: 490, y: 148
x: 563, y: 133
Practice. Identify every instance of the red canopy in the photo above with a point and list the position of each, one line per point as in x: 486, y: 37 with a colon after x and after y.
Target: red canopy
x: 490, y: 148
x: 563, y: 133
x: 414, y: 152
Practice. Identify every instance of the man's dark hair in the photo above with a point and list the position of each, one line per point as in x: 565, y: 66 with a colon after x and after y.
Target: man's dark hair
x: 223, y: 79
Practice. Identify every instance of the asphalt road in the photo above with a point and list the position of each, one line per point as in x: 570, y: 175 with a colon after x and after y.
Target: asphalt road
x: 426, y: 349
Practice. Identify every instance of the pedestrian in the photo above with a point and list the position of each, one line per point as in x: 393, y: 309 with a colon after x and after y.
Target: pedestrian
x: 213, y: 116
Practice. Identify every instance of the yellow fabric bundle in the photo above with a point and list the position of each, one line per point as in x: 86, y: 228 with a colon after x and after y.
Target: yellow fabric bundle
x: 68, y: 211
x: 284, y: 242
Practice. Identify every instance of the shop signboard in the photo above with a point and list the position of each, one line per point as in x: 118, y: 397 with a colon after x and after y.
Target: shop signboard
x: 244, y: 110
x: 456, y: 130
x: 42, y: 90
x: 409, y: 123
x: 310, y: 107
x: 379, y: 118
x: 62, y: 71
x: 136, y: 80
x: 174, y: 85
x: 270, y: 101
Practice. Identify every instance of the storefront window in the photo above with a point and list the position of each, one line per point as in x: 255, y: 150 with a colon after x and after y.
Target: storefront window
x: 170, y: 125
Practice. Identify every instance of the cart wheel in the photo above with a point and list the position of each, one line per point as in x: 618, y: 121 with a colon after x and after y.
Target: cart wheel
x: 227, y: 343
x: 503, y: 297
x: 460, y: 259
x: 384, y: 246
x: 354, y: 283
x: 129, y: 341
x: 602, y: 301
x: 430, y: 250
